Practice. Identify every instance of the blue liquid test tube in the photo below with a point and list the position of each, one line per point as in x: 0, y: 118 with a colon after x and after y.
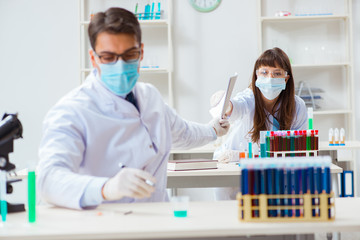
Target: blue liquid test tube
x: 277, y: 190
x: 318, y: 188
x: 257, y: 182
x: 147, y: 12
x: 297, y: 190
x: 282, y: 189
x: 311, y: 187
x: 289, y: 185
x: 304, y: 183
x: 250, y: 149
x: 158, y: 13
x: 263, y: 144
x: 327, y: 185
x: 3, y: 203
x: 270, y: 189
x: 152, y: 10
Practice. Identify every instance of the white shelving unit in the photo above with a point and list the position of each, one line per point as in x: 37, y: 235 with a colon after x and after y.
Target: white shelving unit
x: 152, y: 75
x: 319, y: 41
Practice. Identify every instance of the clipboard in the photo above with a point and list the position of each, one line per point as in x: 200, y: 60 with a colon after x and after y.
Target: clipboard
x: 228, y: 93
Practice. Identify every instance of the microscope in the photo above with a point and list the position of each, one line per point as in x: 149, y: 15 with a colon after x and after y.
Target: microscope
x: 10, y: 129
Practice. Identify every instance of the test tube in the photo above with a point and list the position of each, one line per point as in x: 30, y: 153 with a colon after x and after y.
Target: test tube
x: 31, y: 196
x: 268, y: 143
x: 337, y: 136
x: 305, y: 137
x: 342, y: 137
x: 331, y: 137
x: 283, y: 138
x: 296, y: 140
x: 263, y: 144
x: 316, y: 139
x: 308, y: 140
x: 3, y: 203
x: 152, y: 10
x: 287, y: 143
x: 147, y: 11
x: 272, y: 144
x: 292, y: 142
x: 136, y: 9
x: 310, y: 117
x: 158, y: 13
x: 250, y: 150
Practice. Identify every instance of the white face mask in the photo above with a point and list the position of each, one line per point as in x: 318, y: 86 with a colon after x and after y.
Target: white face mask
x: 270, y: 87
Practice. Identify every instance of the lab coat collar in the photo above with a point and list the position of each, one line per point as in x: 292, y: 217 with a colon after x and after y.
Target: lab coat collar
x: 110, y: 100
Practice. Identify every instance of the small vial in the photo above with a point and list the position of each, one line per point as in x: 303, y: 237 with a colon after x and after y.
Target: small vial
x: 342, y: 137
x: 337, y: 136
x: 331, y: 137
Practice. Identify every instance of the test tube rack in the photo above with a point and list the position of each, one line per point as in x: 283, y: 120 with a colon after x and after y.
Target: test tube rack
x: 286, y: 189
x: 324, y: 208
x: 290, y: 143
x: 150, y: 15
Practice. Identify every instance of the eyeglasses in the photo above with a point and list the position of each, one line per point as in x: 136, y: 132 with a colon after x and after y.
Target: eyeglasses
x: 130, y: 55
x: 278, y: 73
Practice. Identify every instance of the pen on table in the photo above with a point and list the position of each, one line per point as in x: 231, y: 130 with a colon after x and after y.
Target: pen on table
x: 148, y: 182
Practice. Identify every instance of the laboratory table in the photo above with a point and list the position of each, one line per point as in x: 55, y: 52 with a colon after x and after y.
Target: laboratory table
x: 155, y: 221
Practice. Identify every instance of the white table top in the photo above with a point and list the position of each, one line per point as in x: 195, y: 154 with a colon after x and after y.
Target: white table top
x: 155, y: 220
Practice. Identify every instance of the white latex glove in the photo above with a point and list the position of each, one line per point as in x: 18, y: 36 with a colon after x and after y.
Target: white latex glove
x: 229, y: 156
x: 217, y: 102
x: 221, y: 126
x: 128, y: 182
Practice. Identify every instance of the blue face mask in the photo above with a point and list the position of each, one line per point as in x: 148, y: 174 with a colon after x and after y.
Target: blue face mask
x: 270, y: 87
x: 120, y: 78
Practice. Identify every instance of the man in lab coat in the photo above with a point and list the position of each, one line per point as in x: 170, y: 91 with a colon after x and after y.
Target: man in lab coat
x: 110, y: 138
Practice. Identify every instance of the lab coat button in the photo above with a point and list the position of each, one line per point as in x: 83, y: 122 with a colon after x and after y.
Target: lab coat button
x: 150, y: 146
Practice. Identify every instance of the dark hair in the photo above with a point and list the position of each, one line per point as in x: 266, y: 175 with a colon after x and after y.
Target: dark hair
x: 114, y: 21
x: 273, y: 58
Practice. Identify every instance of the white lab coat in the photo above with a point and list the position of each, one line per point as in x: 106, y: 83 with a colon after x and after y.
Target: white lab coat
x: 90, y: 131
x: 242, y: 121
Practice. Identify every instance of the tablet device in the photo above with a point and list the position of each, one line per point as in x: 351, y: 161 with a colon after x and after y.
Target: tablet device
x: 229, y: 90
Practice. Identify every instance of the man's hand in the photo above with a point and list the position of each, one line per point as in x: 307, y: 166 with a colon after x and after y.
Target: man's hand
x: 128, y: 182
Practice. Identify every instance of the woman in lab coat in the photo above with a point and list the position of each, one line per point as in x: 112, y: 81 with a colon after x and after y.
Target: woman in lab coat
x: 268, y: 104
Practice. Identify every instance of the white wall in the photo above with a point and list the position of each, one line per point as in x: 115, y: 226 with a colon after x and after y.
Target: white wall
x: 39, y: 61
x: 356, y: 40
x: 39, y: 47
x: 208, y: 48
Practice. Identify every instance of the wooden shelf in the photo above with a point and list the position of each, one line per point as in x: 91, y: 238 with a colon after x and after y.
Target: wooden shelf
x: 297, y: 18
